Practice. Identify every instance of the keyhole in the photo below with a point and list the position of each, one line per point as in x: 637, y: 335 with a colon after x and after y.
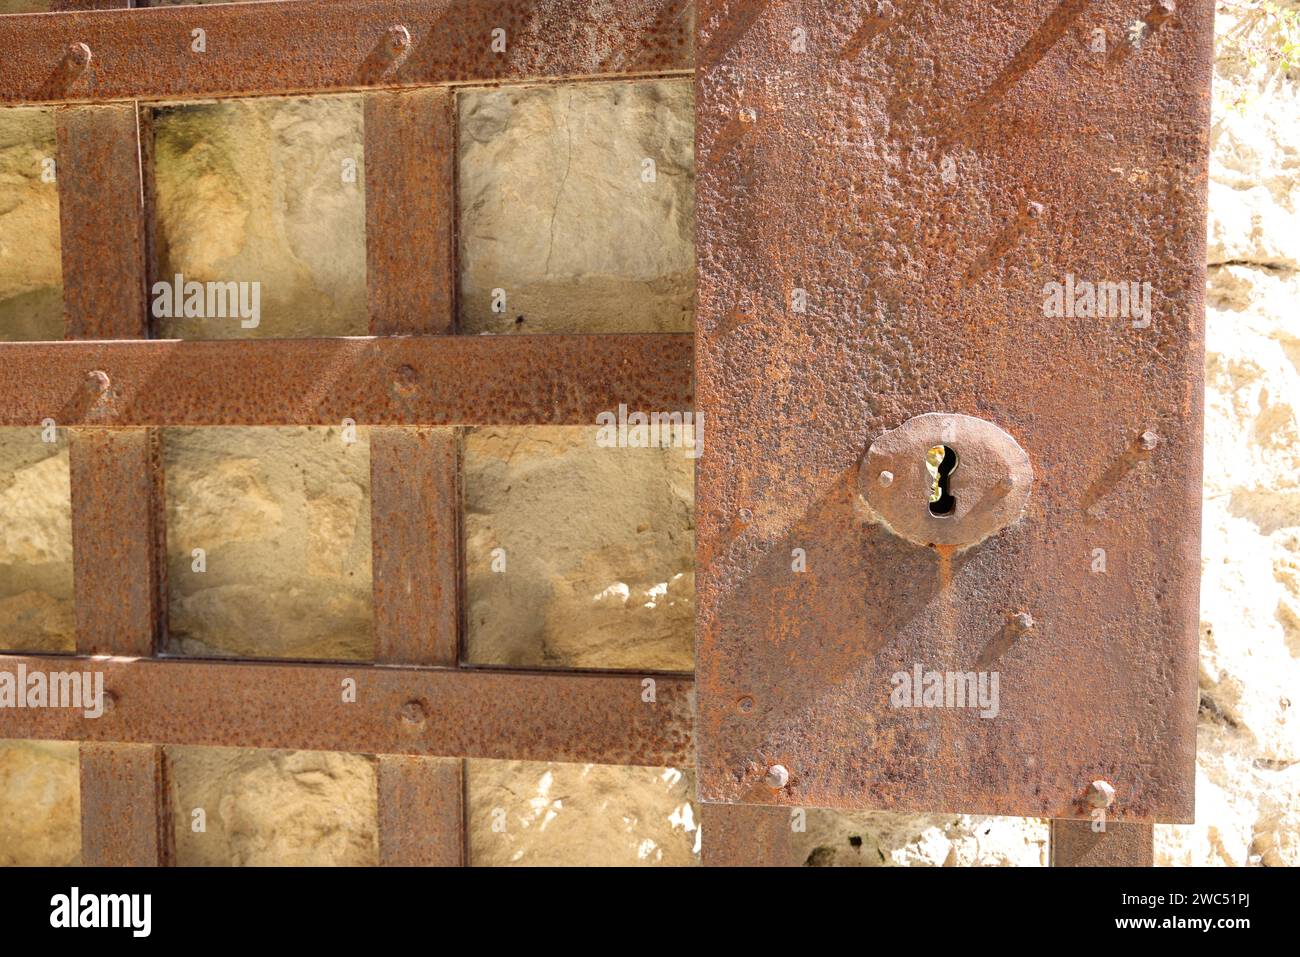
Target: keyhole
x: 941, y: 462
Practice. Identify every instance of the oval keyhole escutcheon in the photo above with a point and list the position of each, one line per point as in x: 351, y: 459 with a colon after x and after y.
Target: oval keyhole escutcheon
x: 946, y: 479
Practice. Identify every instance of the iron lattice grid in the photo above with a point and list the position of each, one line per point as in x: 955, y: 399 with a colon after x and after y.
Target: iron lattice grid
x: 414, y: 382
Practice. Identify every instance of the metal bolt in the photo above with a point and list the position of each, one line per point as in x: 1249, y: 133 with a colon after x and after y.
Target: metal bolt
x: 778, y: 776
x: 79, y: 55
x: 745, y: 516
x: 1023, y: 620
x: 1034, y: 210
x: 1148, y: 440
x: 98, y: 380
x: 399, y: 39
x: 1101, y: 794
x: 886, y: 478
x: 746, y: 704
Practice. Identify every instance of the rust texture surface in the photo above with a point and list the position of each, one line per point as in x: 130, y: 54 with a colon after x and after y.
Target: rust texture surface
x: 318, y: 46
x: 1076, y: 844
x: 410, y: 210
x: 414, y: 522
x: 101, y: 221
x: 116, y: 539
x: 597, y: 718
x: 420, y: 806
x: 740, y: 835
x: 124, y: 820
x: 954, y: 161
x: 418, y: 380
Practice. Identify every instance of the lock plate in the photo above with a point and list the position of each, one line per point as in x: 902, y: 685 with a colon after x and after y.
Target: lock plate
x: 989, y: 483
x: 888, y: 218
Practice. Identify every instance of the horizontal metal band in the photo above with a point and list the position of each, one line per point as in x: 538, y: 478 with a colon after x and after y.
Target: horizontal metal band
x: 528, y: 716
x: 317, y: 46
x: 416, y: 380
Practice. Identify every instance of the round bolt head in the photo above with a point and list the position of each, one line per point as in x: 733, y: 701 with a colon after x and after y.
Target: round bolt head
x: 778, y: 776
x: 98, y: 380
x: 79, y: 54
x: 1023, y: 620
x: 413, y: 712
x: 1034, y: 210
x: 1148, y: 440
x: 1101, y: 794
x: 399, y: 38
x: 886, y: 478
x: 745, y: 515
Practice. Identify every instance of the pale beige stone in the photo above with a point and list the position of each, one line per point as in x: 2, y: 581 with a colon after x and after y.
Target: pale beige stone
x: 533, y: 814
x: 272, y: 808
x: 596, y: 546
x: 40, y: 804
x: 283, y: 517
x: 557, y: 212
x: 31, y: 273
x: 36, y: 611
x: 258, y: 190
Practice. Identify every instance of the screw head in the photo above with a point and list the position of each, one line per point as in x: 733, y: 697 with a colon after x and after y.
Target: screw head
x: 1148, y: 440
x: 79, y: 55
x: 886, y: 478
x: 1101, y: 794
x: 778, y: 776
x: 399, y: 38
x: 1023, y: 620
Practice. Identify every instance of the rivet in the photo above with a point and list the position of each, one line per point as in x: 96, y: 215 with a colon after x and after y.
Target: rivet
x: 745, y: 704
x: 1148, y: 440
x: 79, y: 55
x: 778, y: 776
x: 886, y: 478
x: 1101, y: 794
x: 413, y: 712
x: 745, y: 516
x: 1034, y: 210
x: 98, y: 380
x: 1023, y: 620
x: 399, y: 38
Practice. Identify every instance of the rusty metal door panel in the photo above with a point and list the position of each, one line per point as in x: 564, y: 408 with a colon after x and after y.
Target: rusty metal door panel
x: 886, y: 194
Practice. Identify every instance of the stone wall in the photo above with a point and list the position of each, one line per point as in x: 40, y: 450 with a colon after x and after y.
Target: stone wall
x: 556, y: 211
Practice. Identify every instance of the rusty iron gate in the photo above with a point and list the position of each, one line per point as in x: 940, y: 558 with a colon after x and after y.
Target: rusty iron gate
x: 886, y: 191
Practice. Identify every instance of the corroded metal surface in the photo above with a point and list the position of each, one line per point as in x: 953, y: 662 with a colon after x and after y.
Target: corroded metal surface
x: 420, y: 807
x: 524, y: 716
x: 739, y: 835
x: 953, y: 162
x: 415, y: 535
x: 124, y: 814
x: 1076, y: 844
x: 410, y: 211
x: 317, y: 46
x: 101, y: 221
x: 989, y: 484
x: 117, y: 514
x: 418, y: 380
